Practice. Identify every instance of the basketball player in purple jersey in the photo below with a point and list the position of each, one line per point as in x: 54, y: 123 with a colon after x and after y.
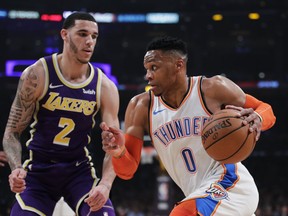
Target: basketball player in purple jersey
x: 61, y: 94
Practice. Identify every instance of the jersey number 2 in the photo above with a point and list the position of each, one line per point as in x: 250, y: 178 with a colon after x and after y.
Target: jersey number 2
x: 61, y: 138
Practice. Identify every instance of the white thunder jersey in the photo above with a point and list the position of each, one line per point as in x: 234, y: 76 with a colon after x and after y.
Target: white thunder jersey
x: 176, y: 134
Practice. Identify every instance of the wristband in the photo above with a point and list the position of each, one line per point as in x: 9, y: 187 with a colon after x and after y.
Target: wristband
x: 260, y: 117
x: 122, y: 153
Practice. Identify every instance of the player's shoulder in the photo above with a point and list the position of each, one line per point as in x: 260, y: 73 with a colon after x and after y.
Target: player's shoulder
x: 214, y: 82
x: 34, y: 71
x: 107, y: 83
x: 142, y: 99
x: 33, y: 77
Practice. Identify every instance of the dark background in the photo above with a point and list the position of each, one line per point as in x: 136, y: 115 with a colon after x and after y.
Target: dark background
x: 246, y: 51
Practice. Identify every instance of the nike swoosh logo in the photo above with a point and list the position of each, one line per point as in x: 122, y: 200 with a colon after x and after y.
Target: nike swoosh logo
x: 158, y: 111
x: 78, y: 163
x: 51, y: 86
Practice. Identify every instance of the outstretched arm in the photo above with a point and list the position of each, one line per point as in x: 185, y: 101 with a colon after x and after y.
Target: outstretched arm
x: 126, y: 148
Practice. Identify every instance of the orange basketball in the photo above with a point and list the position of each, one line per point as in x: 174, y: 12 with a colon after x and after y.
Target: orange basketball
x: 226, y: 139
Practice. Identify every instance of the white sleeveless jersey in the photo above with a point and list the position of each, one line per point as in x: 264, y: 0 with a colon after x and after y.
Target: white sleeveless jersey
x: 176, y: 136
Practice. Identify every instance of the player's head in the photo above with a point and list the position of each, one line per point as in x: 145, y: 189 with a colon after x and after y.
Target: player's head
x: 169, y: 44
x: 70, y: 20
x: 165, y: 64
x: 80, y: 33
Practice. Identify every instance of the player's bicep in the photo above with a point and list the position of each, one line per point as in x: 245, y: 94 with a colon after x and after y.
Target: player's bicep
x: 24, y: 102
x: 224, y: 91
x: 136, y: 117
x: 109, y: 103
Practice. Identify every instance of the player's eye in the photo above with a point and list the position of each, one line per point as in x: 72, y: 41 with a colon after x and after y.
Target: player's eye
x: 153, y: 68
x: 94, y: 37
x: 82, y: 34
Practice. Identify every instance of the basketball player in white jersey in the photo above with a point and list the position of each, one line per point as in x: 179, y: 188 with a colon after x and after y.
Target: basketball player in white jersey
x: 173, y: 112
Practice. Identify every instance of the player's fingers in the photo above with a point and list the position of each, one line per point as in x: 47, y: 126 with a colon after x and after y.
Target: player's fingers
x: 246, y: 112
x: 114, y: 130
x: 22, y: 174
x: 234, y: 107
x: 17, y: 182
x: 104, y: 126
x: 17, y: 186
x: 17, y: 189
x: 96, y: 204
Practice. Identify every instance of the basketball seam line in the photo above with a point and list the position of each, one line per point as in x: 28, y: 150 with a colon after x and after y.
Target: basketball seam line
x: 209, y: 122
x: 223, y: 137
x: 237, y: 149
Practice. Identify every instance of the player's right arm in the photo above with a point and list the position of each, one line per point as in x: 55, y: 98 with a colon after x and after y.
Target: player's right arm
x: 29, y: 88
x: 127, y: 153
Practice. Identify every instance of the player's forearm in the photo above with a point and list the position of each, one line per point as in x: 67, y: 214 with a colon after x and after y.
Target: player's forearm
x: 263, y: 109
x: 108, y: 174
x: 127, y: 163
x: 126, y: 166
x: 13, y: 150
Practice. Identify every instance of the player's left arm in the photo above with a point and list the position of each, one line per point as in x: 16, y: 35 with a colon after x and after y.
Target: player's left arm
x: 263, y: 110
x: 221, y: 92
x: 109, y: 114
x: 252, y: 106
x: 109, y: 108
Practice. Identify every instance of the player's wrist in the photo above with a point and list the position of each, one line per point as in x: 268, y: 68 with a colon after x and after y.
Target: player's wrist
x: 120, y: 153
x: 105, y: 185
x: 17, y: 167
x: 259, y: 116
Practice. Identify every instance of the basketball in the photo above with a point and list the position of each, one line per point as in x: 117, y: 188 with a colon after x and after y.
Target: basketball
x: 226, y: 139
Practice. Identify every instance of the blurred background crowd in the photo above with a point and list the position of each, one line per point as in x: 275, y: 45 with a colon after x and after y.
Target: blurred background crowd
x: 244, y: 40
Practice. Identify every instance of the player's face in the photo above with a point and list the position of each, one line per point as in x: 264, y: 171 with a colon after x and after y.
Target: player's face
x: 160, y: 71
x: 82, y: 39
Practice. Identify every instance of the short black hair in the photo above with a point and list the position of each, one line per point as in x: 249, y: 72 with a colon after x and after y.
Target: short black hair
x: 167, y: 43
x: 70, y: 20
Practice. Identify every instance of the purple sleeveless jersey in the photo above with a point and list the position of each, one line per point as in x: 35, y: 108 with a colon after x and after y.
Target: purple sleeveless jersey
x: 59, y: 163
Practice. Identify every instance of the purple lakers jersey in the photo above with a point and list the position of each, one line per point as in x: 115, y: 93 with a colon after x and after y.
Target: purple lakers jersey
x: 64, y: 115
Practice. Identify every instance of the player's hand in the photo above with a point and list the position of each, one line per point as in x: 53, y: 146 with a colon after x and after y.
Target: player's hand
x: 3, y: 158
x: 112, y: 140
x: 17, y: 180
x: 97, y: 197
x: 250, y: 117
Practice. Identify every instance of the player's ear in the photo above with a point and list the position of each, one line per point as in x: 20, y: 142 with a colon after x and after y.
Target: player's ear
x: 179, y: 64
x: 64, y: 34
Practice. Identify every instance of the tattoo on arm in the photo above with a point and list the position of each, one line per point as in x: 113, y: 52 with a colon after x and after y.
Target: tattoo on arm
x: 20, y: 116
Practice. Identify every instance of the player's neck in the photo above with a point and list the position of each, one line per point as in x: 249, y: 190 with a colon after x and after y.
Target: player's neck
x: 176, y: 95
x: 73, y: 71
